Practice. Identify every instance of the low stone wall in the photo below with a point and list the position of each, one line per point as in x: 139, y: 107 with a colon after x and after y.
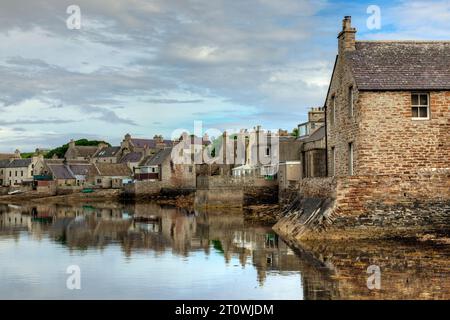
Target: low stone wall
x: 370, y: 206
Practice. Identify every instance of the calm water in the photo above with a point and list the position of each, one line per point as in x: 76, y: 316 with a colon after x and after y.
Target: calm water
x: 144, y: 251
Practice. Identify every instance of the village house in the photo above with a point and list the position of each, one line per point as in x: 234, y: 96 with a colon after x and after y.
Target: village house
x: 106, y: 154
x: 69, y: 173
x: 160, y: 167
x: 19, y: 172
x: 388, y: 106
x: 313, y: 144
x: 109, y: 175
x: 75, y: 152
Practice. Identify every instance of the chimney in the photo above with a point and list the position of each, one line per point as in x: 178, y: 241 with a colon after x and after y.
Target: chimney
x: 17, y: 153
x: 71, y: 143
x: 346, y: 38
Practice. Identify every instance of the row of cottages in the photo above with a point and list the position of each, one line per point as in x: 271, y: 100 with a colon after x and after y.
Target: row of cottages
x: 81, y: 173
x: 388, y: 107
x: 130, y: 152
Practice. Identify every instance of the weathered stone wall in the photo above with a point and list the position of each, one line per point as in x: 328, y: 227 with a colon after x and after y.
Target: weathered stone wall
x: 357, y: 194
x: 370, y: 207
x: 392, y: 143
x: 385, y: 138
x: 318, y: 188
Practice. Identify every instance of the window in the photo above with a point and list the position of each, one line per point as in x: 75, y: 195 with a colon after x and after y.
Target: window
x: 420, y: 106
x: 350, y: 101
x: 350, y: 159
x: 267, y: 151
x: 190, y: 169
x: 21, y: 173
x: 333, y: 110
x: 333, y: 161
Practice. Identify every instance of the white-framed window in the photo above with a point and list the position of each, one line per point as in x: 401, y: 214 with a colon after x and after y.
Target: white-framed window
x: 350, y: 101
x: 420, y: 106
x: 350, y: 159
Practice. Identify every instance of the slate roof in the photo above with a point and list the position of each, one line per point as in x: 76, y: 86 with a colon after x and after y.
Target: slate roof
x: 19, y: 163
x: 80, y: 169
x: 131, y: 157
x: 4, y: 163
x: 84, y: 151
x: 107, y: 152
x: 158, y: 158
x: 112, y: 169
x: 401, y: 65
x: 150, y: 143
x: 316, y: 135
x: 60, y: 171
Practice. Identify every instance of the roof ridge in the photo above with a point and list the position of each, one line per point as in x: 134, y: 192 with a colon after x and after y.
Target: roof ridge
x: 404, y: 41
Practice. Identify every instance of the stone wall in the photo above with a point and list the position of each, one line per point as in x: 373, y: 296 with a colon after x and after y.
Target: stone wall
x: 385, y: 138
x: 371, y: 207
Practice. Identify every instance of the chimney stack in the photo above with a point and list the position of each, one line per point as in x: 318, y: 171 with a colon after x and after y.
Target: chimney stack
x: 71, y: 143
x: 346, y: 38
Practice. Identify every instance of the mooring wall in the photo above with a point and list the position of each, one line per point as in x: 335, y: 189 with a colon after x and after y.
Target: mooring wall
x: 370, y: 206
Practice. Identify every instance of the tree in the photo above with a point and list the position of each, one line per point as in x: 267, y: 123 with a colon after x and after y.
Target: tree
x: 61, y: 151
x: 295, y: 132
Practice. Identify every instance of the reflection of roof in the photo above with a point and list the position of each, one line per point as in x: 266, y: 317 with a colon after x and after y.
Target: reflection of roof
x: 113, y: 169
x: 398, y: 65
x: 158, y: 158
x: 19, y: 163
x: 319, y: 134
x: 107, y: 152
x: 150, y: 143
x: 131, y: 157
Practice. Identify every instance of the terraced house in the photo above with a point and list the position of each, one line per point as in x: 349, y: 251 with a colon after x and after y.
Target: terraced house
x: 388, y: 106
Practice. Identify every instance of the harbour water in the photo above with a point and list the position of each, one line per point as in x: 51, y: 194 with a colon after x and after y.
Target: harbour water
x: 146, y: 251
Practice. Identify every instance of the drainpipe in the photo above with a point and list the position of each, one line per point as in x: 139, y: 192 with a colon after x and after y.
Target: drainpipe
x: 326, y: 142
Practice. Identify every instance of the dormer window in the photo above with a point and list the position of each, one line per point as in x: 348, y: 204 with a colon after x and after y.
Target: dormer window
x: 420, y: 106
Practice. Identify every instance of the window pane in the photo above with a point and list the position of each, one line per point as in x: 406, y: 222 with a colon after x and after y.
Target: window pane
x: 415, y: 99
x: 423, y: 99
x: 415, y: 112
x: 423, y: 112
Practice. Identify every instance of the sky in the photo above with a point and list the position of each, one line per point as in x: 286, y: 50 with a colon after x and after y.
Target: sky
x: 149, y: 67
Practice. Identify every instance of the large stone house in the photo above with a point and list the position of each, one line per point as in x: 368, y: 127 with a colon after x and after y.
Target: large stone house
x: 160, y: 167
x: 388, y: 106
x: 109, y: 175
x: 19, y: 171
x: 75, y: 152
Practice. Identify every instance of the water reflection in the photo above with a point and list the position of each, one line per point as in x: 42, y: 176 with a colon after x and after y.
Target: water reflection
x: 149, y: 251
x: 249, y: 253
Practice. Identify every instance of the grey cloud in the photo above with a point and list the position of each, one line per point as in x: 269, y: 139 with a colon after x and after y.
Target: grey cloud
x: 173, y: 101
x: 35, y: 122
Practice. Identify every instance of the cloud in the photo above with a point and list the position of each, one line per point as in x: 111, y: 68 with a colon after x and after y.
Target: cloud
x: 173, y: 101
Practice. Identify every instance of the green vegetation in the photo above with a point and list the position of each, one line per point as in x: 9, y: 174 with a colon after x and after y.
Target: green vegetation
x: 61, y: 151
x: 26, y: 155
x: 295, y: 132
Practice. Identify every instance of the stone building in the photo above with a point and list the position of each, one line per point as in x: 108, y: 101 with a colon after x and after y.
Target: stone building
x: 160, y: 167
x: 75, y: 152
x: 388, y: 106
x: 388, y: 145
x: 19, y: 171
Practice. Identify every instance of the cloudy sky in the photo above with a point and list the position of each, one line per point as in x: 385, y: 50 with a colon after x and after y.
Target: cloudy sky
x: 152, y: 66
